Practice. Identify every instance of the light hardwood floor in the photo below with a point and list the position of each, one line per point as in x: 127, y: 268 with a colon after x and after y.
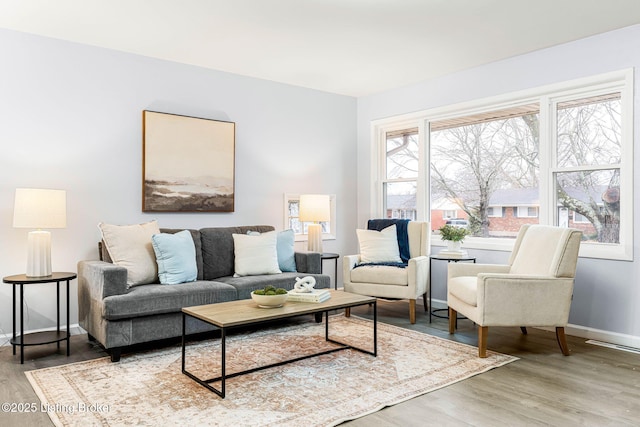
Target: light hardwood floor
x: 595, y: 386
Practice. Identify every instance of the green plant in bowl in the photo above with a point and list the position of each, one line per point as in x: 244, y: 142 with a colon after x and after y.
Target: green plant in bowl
x: 454, y: 234
x: 270, y: 297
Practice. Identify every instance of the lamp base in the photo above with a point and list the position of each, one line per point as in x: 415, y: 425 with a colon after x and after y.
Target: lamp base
x: 38, y: 254
x: 314, y: 234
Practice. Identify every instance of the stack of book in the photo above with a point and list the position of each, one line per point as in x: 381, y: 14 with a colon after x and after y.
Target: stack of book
x: 453, y: 254
x: 316, y: 295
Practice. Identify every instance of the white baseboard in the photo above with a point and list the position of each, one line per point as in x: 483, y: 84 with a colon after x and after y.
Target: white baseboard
x: 600, y: 335
x: 74, y: 329
x: 593, y: 334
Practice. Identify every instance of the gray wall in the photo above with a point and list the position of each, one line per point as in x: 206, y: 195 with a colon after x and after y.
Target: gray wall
x: 606, y: 299
x: 70, y: 118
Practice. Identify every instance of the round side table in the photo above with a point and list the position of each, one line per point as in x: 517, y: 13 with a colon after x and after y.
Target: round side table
x: 45, y: 337
x: 448, y: 259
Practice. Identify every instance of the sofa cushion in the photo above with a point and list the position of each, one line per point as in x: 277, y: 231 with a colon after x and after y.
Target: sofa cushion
x: 379, y: 246
x: 129, y: 246
x: 380, y: 274
x: 255, y: 254
x: 285, y: 249
x: 153, y: 299
x: 176, y: 257
x: 197, y: 241
x: 246, y: 284
x: 217, y: 249
x: 464, y: 288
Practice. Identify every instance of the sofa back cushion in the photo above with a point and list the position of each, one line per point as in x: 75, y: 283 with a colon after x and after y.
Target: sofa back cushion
x: 218, y: 250
x: 197, y: 241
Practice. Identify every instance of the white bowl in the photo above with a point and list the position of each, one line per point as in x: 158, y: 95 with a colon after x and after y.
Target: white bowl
x: 269, y: 301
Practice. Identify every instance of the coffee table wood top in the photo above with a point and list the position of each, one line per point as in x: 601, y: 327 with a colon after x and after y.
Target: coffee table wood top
x: 243, y: 312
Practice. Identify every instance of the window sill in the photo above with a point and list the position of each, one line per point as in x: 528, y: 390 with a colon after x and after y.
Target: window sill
x: 587, y: 250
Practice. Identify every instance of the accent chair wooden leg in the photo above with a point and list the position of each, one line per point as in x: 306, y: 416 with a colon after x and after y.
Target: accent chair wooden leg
x: 115, y: 354
x: 452, y: 320
x: 347, y: 312
x: 424, y: 302
x: 412, y: 311
x: 524, y: 330
x: 483, y: 331
x: 562, y: 341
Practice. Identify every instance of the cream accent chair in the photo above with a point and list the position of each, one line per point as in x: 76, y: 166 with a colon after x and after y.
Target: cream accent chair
x: 535, y: 289
x: 393, y: 282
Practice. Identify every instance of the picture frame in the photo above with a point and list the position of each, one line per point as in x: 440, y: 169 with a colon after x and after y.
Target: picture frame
x: 188, y: 163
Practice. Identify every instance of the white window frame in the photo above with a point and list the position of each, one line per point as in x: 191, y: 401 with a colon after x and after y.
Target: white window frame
x: 493, y: 214
x: 547, y: 97
x: 445, y: 216
x: 523, y: 212
x: 304, y: 237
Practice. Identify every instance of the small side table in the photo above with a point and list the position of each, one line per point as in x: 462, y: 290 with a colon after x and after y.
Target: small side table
x: 334, y: 257
x: 38, y: 338
x: 433, y: 312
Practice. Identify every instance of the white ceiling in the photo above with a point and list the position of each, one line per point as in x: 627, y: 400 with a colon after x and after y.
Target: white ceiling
x: 351, y: 47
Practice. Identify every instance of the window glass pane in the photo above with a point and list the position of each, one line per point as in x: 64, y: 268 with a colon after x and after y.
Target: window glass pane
x: 589, y: 131
x: 293, y: 209
x: 594, y: 197
x: 400, y: 200
x: 487, y: 165
x: 402, y: 155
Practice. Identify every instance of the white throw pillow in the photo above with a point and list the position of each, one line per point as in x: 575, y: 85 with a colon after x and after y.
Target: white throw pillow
x: 256, y: 255
x: 130, y: 246
x: 379, y: 246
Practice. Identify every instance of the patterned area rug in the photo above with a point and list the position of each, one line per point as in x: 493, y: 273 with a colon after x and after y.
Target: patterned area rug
x: 149, y: 388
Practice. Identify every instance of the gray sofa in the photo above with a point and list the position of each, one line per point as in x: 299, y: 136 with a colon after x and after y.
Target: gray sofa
x: 118, y: 316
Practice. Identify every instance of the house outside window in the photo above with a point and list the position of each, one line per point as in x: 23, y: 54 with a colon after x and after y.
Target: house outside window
x: 554, y: 155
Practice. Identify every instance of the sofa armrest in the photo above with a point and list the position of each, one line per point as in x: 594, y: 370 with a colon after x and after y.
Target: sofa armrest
x: 457, y: 269
x: 418, y: 274
x: 308, y: 262
x: 524, y: 300
x: 101, y: 279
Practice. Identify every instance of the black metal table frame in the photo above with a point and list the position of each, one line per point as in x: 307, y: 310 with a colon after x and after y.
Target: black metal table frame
x: 334, y: 257
x: 433, y: 312
x: 48, y: 334
x: 224, y: 376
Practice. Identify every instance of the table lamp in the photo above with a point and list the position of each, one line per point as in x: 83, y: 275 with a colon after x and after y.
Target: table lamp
x: 39, y: 208
x: 314, y: 208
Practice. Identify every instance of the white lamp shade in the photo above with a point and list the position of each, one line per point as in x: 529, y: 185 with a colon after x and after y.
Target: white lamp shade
x: 40, y: 208
x: 315, y: 208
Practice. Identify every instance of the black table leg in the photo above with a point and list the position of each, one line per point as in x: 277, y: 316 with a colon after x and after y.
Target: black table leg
x: 58, y: 312
x: 21, y: 324
x: 68, y: 331
x: 14, y: 320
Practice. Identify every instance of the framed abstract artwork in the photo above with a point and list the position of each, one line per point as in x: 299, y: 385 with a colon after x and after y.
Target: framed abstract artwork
x: 188, y: 164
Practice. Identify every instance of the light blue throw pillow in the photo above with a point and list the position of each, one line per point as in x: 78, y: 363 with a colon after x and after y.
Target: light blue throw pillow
x: 286, y: 252
x: 285, y: 249
x: 176, y: 257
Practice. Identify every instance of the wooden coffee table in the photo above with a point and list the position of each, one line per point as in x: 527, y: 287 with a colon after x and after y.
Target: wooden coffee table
x: 233, y: 314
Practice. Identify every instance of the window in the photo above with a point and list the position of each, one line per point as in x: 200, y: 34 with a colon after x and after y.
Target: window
x: 587, y: 170
x: 448, y: 214
x: 527, y: 212
x: 558, y: 155
x: 494, y: 212
x: 291, y: 209
x: 485, y: 159
x: 401, y: 173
